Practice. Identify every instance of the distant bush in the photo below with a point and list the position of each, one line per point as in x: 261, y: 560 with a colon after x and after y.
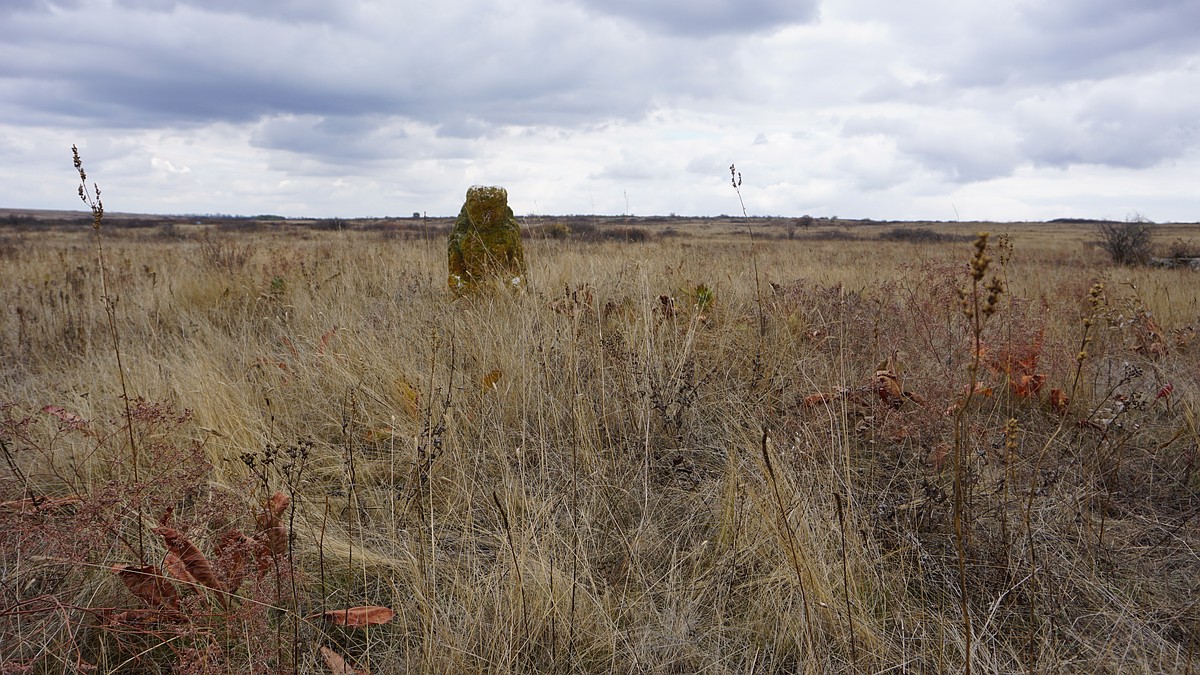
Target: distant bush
x: 551, y: 231
x: 329, y: 225
x: 632, y: 234
x: 9, y: 246
x: 1127, y: 243
x: 828, y: 235
x: 1182, y: 249
x: 223, y: 254
x: 921, y: 235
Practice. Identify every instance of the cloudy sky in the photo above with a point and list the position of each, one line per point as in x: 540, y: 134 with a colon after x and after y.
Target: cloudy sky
x: 971, y: 110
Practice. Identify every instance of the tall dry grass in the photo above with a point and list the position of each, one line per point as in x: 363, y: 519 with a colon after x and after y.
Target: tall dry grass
x: 613, y: 472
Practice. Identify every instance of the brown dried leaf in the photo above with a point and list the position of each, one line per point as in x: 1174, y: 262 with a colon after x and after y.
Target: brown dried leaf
x: 359, y: 617
x: 148, y: 584
x: 193, y: 560
x: 174, y: 565
x: 272, y: 533
x: 277, y: 504
x: 338, y: 664
x: 887, y: 386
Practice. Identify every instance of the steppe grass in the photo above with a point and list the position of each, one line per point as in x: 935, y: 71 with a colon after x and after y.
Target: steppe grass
x: 615, y: 471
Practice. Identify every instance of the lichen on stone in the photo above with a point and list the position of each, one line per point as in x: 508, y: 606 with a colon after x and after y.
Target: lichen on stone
x: 485, y: 244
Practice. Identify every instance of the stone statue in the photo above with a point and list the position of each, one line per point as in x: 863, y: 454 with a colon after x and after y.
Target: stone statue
x: 485, y: 244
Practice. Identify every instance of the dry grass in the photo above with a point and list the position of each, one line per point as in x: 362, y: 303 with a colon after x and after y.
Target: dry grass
x: 601, y: 475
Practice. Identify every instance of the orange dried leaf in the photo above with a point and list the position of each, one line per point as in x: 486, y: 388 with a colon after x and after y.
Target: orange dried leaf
x: 360, y: 617
x: 1059, y: 401
x: 490, y: 380
x: 148, y: 585
x: 1027, y: 386
x: 338, y: 664
x: 192, y: 559
x: 983, y: 390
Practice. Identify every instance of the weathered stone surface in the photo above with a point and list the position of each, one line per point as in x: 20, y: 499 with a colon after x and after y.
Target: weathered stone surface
x: 485, y: 244
x: 1176, y: 263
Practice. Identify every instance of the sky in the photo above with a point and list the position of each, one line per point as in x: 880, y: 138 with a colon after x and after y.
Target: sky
x: 999, y: 110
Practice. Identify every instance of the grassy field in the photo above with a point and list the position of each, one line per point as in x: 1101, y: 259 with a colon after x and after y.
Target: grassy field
x: 859, y: 459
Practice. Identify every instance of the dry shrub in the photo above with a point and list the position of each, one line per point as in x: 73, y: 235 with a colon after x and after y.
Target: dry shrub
x: 224, y: 253
x: 1127, y: 243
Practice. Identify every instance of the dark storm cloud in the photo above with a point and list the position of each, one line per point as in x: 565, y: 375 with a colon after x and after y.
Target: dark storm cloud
x: 163, y: 62
x: 709, y: 17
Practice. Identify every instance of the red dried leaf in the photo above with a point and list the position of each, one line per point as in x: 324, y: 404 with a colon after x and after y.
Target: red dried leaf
x: 148, y: 584
x: 338, y: 664
x: 1166, y: 391
x: 359, y: 617
x: 325, y: 337
x: 193, y: 560
x: 68, y: 418
x: 1058, y: 401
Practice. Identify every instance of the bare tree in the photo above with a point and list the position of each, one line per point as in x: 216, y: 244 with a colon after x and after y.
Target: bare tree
x: 1129, y: 242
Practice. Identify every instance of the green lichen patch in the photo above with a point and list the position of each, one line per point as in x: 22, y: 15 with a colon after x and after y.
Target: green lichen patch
x: 485, y: 244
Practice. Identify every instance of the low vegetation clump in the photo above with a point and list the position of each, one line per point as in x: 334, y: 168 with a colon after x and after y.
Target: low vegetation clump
x: 1130, y: 242
x: 315, y: 459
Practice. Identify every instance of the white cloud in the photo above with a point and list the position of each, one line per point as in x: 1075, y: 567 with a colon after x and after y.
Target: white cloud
x: 305, y: 107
